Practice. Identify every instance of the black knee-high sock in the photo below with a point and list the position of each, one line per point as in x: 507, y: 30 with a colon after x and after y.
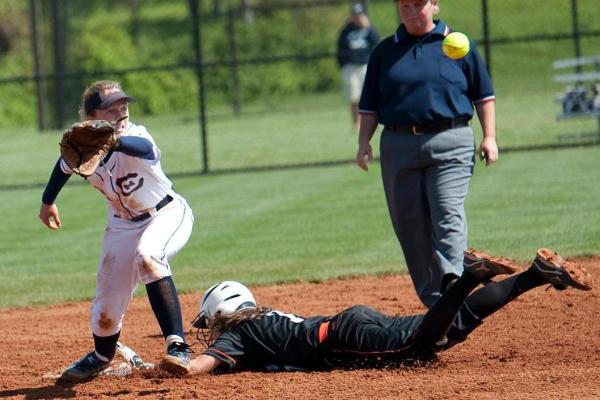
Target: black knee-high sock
x: 440, y: 317
x: 106, y: 346
x: 165, y: 304
x: 491, y: 298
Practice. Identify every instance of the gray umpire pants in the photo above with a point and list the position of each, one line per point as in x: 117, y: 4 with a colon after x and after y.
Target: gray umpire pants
x: 426, y: 179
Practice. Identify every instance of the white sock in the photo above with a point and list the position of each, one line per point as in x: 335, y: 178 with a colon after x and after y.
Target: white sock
x: 174, y: 339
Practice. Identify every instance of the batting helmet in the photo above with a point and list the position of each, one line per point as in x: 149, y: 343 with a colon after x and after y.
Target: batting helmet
x: 223, y: 298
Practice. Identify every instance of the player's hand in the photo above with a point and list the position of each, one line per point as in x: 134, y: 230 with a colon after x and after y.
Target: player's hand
x: 364, y: 150
x: 49, y: 216
x: 488, y: 151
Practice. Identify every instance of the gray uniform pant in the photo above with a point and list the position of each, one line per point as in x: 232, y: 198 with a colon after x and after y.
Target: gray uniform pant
x: 426, y: 179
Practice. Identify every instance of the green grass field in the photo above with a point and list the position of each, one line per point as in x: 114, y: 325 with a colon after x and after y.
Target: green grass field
x: 301, y: 224
x: 315, y: 223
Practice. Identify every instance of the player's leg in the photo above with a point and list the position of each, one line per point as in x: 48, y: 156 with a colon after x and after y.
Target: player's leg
x: 363, y: 333
x: 362, y: 337
x: 547, y: 268
x: 450, y: 311
x: 164, y: 236
x: 357, y: 80
x: 348, y: 88
x: 115, y: 283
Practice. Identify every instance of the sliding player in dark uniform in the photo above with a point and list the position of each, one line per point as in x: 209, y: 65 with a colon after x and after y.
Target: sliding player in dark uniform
x: 241, y: 335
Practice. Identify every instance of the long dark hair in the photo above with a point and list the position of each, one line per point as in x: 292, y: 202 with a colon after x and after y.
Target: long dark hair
x: 225, y: 322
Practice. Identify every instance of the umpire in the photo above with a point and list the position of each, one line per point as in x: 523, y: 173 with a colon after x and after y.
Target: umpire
x: 425, y: 102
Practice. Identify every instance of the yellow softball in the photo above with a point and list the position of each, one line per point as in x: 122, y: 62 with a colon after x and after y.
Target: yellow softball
x: 456, y: 45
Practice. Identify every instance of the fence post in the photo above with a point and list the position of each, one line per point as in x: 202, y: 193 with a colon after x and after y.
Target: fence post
x: 58, y: 37
x: 233, y: 54
x: 35, y: 49
x: 576, y: 32
x: 486, y: 36
x: 199, y: 67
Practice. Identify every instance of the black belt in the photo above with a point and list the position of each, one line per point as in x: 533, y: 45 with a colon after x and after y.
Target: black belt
x: 148, y: 214
x: 434, y: 127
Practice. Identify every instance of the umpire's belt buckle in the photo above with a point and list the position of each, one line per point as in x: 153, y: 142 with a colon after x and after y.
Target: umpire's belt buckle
x: 413, y: 129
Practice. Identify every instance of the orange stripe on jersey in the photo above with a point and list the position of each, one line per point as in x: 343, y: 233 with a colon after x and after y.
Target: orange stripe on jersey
x: 323, y: 331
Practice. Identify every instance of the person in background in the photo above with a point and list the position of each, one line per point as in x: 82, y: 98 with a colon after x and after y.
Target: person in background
x: 355, y: 43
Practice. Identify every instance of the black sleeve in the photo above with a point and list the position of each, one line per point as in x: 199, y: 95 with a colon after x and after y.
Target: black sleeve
x: 136, y: 146
x: 228, y: 348
x: 55, y: 183
x: 342, y: 48
x: 373, y: 37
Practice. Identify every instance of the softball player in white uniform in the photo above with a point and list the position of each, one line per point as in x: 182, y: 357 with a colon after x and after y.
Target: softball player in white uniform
x: 147, y: 224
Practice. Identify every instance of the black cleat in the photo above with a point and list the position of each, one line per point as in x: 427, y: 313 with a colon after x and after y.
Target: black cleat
x: 84, y: 369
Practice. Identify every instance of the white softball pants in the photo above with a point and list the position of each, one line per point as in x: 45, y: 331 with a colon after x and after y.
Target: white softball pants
x: 134, y: 252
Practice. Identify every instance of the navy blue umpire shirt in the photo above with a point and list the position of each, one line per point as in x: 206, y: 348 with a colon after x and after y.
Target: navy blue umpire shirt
x: 410, y: 81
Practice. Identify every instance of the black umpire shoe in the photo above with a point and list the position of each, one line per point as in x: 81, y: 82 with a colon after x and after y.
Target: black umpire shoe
x: 177, y: 360
x: 560, y: 273
x: 84, y: 369
x: 484, y: 267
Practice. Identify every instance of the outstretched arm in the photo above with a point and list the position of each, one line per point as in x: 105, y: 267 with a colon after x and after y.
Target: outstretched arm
x: 48, y: 210
x: 204, y: 364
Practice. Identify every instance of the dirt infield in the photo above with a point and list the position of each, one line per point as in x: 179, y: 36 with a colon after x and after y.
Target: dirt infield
x: 544, y: 345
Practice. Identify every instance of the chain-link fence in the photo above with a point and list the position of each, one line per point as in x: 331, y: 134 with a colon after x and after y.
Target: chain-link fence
x: 254, y: 83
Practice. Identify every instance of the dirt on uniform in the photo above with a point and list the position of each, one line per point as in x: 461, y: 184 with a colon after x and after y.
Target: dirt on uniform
x: 544, y: 345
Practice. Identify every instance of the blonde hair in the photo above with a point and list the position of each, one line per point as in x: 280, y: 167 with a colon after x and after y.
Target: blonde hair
x: 94, y: 89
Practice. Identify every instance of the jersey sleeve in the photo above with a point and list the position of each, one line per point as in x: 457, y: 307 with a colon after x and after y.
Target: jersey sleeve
x: 480, y: 84
x: 137, y: 146
x: 373, y: 37
x: 227, y: 348
x: 141, y: 131
x: 57, y: 180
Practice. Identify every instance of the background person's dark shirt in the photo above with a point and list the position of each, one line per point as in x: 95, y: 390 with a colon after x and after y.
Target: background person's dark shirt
x: 355, y: 44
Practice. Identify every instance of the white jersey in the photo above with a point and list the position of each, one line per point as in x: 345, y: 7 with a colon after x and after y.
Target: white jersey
x: 131, y: 185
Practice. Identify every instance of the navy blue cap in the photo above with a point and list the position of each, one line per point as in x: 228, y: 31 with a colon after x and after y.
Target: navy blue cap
x: 97, y: 102
x: 358, y: 8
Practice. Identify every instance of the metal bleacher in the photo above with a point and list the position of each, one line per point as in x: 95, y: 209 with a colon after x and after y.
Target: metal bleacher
x: 581, y: 97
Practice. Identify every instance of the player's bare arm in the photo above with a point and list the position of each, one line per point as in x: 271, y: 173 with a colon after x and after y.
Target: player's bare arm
x: 204, y: 364
x: 368, y: 124
x: 49, y: 216
x: 486, y: 112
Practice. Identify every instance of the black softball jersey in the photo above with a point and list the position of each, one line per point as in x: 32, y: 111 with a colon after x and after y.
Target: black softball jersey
x: 285, y: 342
